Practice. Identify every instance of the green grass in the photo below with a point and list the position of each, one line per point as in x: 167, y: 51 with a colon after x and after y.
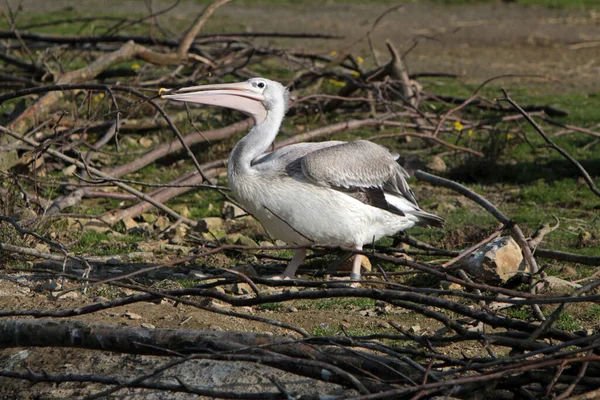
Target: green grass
x: 336, y: 303
x: 568, y: 322
x: 100, y: 244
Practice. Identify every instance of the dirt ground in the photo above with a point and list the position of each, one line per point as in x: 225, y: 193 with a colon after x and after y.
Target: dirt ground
x: 474, y: 41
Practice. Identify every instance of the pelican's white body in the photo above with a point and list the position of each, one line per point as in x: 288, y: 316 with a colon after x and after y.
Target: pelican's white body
x: 300, y: 212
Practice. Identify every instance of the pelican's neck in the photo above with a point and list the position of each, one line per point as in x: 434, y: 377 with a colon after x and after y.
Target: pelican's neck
x: 256, y: 142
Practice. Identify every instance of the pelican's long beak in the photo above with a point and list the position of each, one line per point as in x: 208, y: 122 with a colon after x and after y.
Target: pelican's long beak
x: 239, y: 96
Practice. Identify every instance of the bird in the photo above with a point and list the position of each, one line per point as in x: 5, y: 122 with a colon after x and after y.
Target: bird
x: 336, y: 193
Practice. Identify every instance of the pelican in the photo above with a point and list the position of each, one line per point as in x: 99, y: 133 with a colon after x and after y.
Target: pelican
x: 335, y: 193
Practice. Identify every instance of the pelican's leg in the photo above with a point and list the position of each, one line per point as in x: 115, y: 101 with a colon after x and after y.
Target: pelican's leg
x: 290, y: 270
x: 356, y: 264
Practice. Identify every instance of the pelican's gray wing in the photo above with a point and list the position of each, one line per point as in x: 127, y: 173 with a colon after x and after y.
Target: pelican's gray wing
x: 358, y: 164
x: 366, y: 171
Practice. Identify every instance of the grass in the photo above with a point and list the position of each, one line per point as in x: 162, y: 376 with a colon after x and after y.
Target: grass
x: 100, y: 244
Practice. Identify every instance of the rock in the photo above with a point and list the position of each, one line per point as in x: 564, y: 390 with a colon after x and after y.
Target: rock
x: 96, y: 226
x: 437, y: 164
x: 70, y: 170
x: 243, y: 240
x: 141, y: 228
x: 129, y: 223
x: 178, y: 234
x: 447, y: 285
x: 241, y: 289
x: 195, y: 274
x: 246, y: 269
x: 495, y: 262
x: 383, y: 325
x: 146, y: 142
x: 147, y: 326
x: 231, y: 211
x: 183, y: 210
x: 365, y: 265
x: 68, y: 295
x: 569, y: 272
x: 213, y: 303
x: 291, y: 309
x: 51, y: 286
x: 555, y: 285
x: 132, y: 316
x: 367, y: 313
x: 415, y: 329
x: 211, y: 228
x: 149, y: 217
x: 162, y: 223
x: 42, y: 248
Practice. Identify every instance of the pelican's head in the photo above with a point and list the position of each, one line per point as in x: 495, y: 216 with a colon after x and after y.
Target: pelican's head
x: 257, y: 97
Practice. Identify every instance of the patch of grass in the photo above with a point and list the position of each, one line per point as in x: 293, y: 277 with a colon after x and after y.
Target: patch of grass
x: 337, y: 303
x: 519, y: 313
x: 99, y: 243
x: 593, y: 313
x: 568, y: 322
x: 272, y: 306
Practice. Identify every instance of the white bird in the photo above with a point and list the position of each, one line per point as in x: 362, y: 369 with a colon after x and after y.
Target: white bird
x: 335, y: 193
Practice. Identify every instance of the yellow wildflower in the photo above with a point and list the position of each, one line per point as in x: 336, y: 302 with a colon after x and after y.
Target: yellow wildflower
x: 470, y: 133
x: 135, y: 66
x: 337, y: 83
x: 355, y: 73
x: 510, y: 136
x: 333, y: 53
x: 360, y: 60
x: 98, y: 97
x: 458, y: 126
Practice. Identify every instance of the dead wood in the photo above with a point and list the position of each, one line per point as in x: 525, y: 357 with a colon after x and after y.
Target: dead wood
x: 101, y: 174
x: 129, y: 50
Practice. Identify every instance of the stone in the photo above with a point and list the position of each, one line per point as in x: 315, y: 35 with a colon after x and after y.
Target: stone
x: 569, y: 272
x: 68, y: 295
x: 146, y: 142
x: 129, y: 223
x: 232, y: 211
x: 447, y: 285
x: 243, y: 240
x: 42, y: 248
x: 211, y: 228
x: 241, y: 289
x: 246, y: 269
x: 147, y: 326
x: 70, y: 170
x: 162, y: 223
x: 555, y: 285
x: 195, y: 274
x: 132, y: 315
x: 51, y: 286
x: 495, y: 262
x: 437, y: 164
x: 149, y: 217
x: 365, y: 265
x: 178, y: 234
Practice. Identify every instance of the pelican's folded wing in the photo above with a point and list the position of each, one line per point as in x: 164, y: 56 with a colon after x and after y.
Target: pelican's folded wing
x: 358, y: 164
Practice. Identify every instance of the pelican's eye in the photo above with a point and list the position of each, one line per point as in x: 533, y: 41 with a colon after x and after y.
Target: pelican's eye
x: 261, y: 85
